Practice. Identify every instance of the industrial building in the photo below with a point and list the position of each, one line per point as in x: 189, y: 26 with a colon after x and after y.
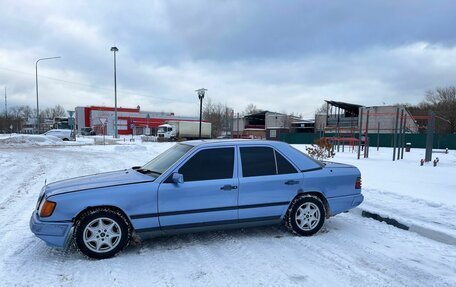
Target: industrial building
x: 129, y: 120
x: 344, y: 118
x: 262, y: 125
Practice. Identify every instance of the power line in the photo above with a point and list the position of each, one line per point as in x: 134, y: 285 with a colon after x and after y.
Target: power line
x: 125, y: 92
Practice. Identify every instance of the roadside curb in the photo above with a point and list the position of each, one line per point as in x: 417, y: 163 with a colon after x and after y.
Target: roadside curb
x: 420, y: 230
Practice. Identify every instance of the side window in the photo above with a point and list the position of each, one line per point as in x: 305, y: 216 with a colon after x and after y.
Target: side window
x: 217, y: 163
x: 258, y: 161
x: 283, y: 165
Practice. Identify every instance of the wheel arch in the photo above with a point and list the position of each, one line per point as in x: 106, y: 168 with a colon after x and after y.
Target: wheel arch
x: 318, y: 194
x: 111, y: 207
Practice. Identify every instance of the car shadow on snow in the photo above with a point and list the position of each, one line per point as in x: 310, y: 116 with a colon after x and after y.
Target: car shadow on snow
x: 190, y: 240
x: 211, y: 238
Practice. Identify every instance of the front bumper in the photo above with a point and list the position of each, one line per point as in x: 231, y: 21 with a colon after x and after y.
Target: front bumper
x: 55, y: 234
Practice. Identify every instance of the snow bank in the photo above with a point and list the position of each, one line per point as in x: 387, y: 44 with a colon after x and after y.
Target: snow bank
x: 129, y: 148
x: 30, y: 140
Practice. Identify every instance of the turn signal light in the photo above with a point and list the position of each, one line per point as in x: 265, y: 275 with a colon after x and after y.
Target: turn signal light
x: 358, y: 183
x: 47, y: 208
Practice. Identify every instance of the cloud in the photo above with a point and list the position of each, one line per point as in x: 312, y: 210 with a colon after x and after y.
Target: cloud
x: 281, y: 56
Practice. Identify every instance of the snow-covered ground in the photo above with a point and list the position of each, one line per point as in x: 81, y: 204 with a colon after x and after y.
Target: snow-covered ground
x: 404, y: 190
x: 350, y: 251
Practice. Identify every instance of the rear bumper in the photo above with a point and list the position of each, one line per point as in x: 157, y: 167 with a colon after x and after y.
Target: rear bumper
x: 55, y: 234
x: 344, y: 203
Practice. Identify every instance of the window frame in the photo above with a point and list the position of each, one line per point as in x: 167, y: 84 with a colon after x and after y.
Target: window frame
x: 190, y: 156
x: 241, y: 170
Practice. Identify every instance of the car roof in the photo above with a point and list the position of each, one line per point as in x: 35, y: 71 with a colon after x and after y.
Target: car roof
x: 231, y: 141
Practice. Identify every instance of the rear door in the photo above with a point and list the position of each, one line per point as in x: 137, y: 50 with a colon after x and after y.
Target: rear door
x: 267, y: 183
x: 208, y: 195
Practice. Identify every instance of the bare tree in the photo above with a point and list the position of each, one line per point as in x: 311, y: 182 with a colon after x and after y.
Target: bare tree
x: 251, y: 109
x: 26, y: 112
x: 59, y: 112
x: 443, y: 102
x: 17, y: 116
x: 219, y: 115
x: 56, y: 112
x: 322, y: 109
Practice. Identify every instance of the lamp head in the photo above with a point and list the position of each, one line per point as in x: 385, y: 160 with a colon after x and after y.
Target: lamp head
x: 114, y: 49
x: 201, y: 93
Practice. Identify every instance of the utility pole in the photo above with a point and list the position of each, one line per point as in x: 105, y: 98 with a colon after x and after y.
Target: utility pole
x: 403, y: 137
x: 237, y: 122
x: 360, y: 135
x: 378, y: 136
x: 399, y: 137
x: 429, y: 136
x: 115, y: 49
x: 6, y: 105
x: 395, y: 134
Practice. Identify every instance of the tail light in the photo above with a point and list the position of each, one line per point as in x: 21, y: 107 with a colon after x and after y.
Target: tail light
x: 358, y: 183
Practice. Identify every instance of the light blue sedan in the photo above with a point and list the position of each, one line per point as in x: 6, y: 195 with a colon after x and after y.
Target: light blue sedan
x: 196, y: 186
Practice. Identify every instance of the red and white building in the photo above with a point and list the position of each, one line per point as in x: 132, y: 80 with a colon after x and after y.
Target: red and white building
x: 129, y: 120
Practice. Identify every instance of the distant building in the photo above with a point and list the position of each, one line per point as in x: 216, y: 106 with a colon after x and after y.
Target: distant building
x: 262, y: 125
x: 129, y: 120
x: 302, y: 126
x: 343, y: 118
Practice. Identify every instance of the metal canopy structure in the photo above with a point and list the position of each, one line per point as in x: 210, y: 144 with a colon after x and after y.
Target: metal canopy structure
x: 343, y: 105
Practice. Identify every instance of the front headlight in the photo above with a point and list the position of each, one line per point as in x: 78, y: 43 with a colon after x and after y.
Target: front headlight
x: 47, y: 208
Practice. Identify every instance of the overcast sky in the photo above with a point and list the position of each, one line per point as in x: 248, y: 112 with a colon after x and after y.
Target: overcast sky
x: 279, y: 55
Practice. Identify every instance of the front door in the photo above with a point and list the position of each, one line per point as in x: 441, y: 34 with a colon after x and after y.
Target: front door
x: 209, y: 194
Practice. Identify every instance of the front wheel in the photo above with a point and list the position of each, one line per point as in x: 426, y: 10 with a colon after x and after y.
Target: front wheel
x: 102, y: 233
x: 306, y: 215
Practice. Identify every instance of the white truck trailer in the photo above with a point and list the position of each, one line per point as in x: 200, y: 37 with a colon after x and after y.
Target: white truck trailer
x: 175, y: 130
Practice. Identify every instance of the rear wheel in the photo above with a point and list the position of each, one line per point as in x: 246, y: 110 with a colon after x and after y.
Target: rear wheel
x: 102, y: 233
x: 306, y: 215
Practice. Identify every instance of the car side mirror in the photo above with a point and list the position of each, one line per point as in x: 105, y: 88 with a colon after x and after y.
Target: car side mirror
x: 178, y: 177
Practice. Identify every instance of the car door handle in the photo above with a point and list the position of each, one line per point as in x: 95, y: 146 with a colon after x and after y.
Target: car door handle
x: 228, y: 187
x: 291, y: 182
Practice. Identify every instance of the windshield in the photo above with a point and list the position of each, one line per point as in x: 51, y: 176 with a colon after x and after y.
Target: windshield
x: 161, y: 130
x: 163, y: 161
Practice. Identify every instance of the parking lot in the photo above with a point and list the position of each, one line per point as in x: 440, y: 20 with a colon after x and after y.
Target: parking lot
x: 349, y: 248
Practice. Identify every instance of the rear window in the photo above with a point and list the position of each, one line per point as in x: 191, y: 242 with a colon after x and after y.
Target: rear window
x: 258, y: 161
x: 261, y: 161
x: 283, y: 165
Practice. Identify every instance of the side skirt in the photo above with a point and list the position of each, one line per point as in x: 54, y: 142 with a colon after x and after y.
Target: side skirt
x: 208, y: 226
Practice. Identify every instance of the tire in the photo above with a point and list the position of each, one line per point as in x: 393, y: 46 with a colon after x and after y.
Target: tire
x: 306, y: 215
x: 65, y: 139
x: 102, y: 233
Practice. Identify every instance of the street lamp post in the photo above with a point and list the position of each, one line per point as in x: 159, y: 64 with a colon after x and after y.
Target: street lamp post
x: 36, y: 87
x: 201, y: 93
x: 114, y: 49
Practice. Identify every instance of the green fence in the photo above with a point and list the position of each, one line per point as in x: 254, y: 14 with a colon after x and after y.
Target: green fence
x: 441, y: 141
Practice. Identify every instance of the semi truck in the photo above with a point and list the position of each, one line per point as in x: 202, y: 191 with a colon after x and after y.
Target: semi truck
x: 176, y: 130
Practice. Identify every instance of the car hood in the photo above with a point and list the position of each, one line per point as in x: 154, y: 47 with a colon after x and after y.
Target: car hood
x: 121, y: 177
